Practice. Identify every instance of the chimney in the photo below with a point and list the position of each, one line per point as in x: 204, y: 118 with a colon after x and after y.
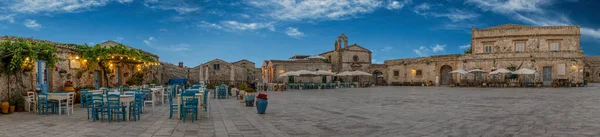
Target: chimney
x: 180, y: 64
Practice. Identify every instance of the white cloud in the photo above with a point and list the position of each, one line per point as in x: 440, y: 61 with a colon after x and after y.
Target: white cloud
x: 205, y: 24
x: 234, y: 25
x: 32, y: 24
x: 423, y: 51
x: 125, y: 1
x: 422, y: 7
x: 179, y: 7
x: 316, y: 9
x: 179, y: 47
x: 35, y: 6
x: 149, y: 41
x: 511, y: 6
x: 119, y: 39
x: 374, y: 61
x: 465, y: 46
x: 294, y: 32
x: 163, y: 30
x: 393, y: 5
x: 438, y: 48
x: 10, y: 18
x: 386, y: 48
x: 532, y: 12
x: 455, y: 15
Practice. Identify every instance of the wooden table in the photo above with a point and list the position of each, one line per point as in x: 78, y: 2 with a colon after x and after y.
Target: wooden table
x: 60, y: 97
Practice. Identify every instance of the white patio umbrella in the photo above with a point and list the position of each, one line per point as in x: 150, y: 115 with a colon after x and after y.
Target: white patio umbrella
x: 461, y: 71
x: 291, y: 73
x: 524, y: 71
x: 306, y: 73
x: 345, y: 73
x: 501, y: 71
x: 324, y: 73
x: 317, y: 57
x: 360, y: 73
x: 475, y: 70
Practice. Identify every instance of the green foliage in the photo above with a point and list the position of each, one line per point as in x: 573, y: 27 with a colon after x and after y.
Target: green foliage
x: 512, y: 67
x: 468, y: 50
x: 98, y: 54
x: 243, y: 86
x: 24, y: 53
x: 136, y: 79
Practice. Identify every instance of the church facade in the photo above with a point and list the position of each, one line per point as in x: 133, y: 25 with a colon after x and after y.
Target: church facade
x: 343, y: 57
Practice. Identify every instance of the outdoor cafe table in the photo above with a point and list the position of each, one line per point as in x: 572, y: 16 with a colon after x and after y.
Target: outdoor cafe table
x: 200, y: 100
x: 125, y: 100
x: 59, y: 96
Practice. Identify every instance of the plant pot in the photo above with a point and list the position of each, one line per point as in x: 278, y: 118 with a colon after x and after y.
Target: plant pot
x: 261, y: 106
x: 5, y: 106
x: 249, y: 103
x: 12, y: 109
x: 20, y: 109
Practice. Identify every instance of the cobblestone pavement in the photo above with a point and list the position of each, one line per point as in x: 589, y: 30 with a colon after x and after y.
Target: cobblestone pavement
x: 379, y: 111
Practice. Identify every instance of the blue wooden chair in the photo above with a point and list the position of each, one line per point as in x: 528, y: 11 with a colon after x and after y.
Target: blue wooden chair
x: 190, y: 105
x: 222, y: 93
x: 44, y: 105
x: 249, y: 99
x: 82, y: 97
x: 135, y: 109
x: 114, y: 107
x: 173, y: 106
x: 96, y: 104
x: 148, y: 98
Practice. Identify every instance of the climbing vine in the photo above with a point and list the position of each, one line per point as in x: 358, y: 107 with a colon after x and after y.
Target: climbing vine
x: 20, y: 54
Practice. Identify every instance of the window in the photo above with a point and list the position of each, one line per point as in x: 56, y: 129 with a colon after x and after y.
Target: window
x: 487, y: 48
x: 520, y: 47
x: 396, y: 73
x: 419, y: 73
x: 216, y: 67
x: 554, y: 46
x: 355, y: 58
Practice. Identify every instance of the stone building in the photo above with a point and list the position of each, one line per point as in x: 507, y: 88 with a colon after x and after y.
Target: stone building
x: 592, y: 69
x: 343, y: 57
x: 553, y: 51
x: 220, y: 71
x: 76, y: 71
x: 170, y: 71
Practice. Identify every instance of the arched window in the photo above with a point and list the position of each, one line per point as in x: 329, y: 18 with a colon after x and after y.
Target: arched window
x: 355, y: 58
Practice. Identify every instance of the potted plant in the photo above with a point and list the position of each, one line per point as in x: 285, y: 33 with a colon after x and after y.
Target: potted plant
x: 62, y: 73
x: 5, y: 106
x: 249, y: 97
x: 20, y: 103
x: 261, y: 105
x: 13, y: 102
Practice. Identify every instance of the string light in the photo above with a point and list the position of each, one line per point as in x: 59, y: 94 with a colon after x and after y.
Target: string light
x: 98, y: 58
x: 27, y: 58
x: 85, y: 60
x: 76, y: 57
x: 121, y: 58
x: 111, y: 64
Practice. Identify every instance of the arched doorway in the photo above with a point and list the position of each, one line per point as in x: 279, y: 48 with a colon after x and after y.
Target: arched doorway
x: 445, y: 76
x: 378, y: 77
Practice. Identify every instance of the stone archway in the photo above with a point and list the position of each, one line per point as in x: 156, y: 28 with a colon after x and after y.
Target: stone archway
x: 377, y: 77
x: 445, y: 76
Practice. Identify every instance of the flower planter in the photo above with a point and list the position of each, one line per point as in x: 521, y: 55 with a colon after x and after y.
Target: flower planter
x: 261, y: 106
x: 5, y: 106
x: 249, y: 103
x: 12, y: 109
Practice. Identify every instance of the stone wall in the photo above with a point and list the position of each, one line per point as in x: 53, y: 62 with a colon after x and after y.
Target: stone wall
x: 277, y: 67
x: 170, y: 71
x: 592, y: 69
x: 536, y: 39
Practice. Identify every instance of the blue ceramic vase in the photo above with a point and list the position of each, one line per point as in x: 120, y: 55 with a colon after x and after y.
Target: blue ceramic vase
x: 261, y: 106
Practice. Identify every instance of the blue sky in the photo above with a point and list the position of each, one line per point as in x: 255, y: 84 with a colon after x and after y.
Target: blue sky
x: 197, y: 31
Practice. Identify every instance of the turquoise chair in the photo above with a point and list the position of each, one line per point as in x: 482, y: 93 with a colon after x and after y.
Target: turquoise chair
x: 249, y: 100
x: 190, y: 105
x: 114, y: 107
x: 82, y: 96
x: 96, y: 104
x: 135, y: 109
x: 172, y: 105
x: 44, y: 105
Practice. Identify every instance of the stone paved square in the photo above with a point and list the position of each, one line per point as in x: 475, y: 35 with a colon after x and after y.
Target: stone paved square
x: 378, y: 111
